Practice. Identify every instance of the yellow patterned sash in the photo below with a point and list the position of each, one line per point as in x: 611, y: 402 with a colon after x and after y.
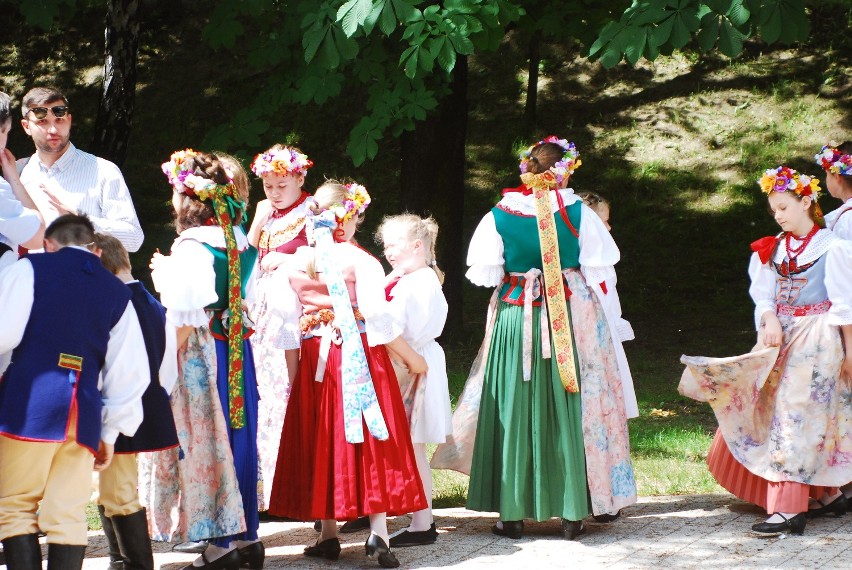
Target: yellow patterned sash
x: 554, y: 290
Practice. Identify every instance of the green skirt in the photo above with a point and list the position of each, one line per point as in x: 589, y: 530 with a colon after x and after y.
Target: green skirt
x: 528, y: 459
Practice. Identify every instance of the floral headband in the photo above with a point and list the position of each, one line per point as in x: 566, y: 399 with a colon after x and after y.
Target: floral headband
x: 834, y: 161
x: 180, y: 174
x: 563, y: 168
x: 784, y: 179
x: 283, y: 161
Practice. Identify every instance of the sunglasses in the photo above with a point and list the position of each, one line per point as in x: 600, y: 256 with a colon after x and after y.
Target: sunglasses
x: 41, y: 112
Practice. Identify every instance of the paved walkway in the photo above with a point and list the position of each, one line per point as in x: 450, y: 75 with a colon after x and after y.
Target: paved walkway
x: 690, y: 531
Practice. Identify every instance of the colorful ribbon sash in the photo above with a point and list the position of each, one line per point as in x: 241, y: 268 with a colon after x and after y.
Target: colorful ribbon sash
x: 359, y: 394
x: 554, y: 290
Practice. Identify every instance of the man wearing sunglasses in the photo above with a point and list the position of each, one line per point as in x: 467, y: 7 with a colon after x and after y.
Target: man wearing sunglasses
x: 63, y: 179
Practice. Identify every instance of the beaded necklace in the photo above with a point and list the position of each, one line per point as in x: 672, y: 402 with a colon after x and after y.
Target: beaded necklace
x: 794, y: 252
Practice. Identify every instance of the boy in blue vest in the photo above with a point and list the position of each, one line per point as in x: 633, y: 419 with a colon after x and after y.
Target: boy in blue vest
x: 124, y: 519
x: 76, y: 378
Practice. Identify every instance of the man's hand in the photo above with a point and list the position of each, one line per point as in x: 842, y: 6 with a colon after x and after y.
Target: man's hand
x: 57, y: 201
x: 104, y: 456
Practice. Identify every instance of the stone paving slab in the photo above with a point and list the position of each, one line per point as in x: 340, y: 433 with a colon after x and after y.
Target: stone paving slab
x: 677, y: 532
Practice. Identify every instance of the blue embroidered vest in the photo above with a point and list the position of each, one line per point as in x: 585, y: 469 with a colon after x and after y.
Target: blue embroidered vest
x: 157, y: 430
x: 59, y: 359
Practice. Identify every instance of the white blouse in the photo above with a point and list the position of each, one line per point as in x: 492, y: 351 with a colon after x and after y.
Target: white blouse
x: 186, y: 279
x: 840, y: 225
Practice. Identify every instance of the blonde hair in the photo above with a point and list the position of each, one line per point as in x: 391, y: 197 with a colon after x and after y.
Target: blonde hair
x: 114, y: 256
x: 234, y: 167
x: 330, y: 193
x: 413, y: 228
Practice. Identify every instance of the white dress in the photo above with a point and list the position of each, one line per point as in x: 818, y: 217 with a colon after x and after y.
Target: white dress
x: 417, y: 304
x: 840, y: 220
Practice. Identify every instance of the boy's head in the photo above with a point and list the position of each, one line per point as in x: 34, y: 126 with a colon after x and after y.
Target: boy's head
x: 69, y: 229
x: 114, y: 256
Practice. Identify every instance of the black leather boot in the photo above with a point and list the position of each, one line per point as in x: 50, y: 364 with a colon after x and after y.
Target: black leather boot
x: 116, y: 562
x: 65, y: 556
x: 133, y: 541
x: 22, y: 552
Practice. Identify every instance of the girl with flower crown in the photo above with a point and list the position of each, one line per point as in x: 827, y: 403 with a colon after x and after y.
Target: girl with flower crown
x: 837, y: 163
x: 345, y: 448
x: 202, y: 283
x: 785, y: 409
x: 551, y: 437
x: 278, y: 229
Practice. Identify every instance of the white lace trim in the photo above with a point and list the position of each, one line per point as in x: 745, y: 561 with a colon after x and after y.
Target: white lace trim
x: 819, y: 244
x: 485, y: 275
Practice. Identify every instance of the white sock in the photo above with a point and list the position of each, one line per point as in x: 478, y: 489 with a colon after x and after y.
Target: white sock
x: 212, y: 553
x: 329, y: 530
x: 379, y: 526
x: 779, y: 517
x: 422, y: 520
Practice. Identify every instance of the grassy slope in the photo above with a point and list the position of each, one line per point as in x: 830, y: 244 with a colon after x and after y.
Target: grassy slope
x: 676, y: 145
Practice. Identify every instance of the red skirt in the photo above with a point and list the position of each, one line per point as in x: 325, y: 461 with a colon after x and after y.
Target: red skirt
x: 319, y: 475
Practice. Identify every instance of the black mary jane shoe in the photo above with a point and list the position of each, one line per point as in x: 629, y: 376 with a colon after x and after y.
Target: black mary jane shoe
x: 361, y: 523
x: 606, y: 517
x: 414, y: 537
x: 572, y: 529
x: 228, y: 561
x: 511, y: 529
x: 793, y: 525
x: 838, y: 507
x: 377, y: 548
x: 318, y: 525
x: 328, y: 549
x: 252, y: 555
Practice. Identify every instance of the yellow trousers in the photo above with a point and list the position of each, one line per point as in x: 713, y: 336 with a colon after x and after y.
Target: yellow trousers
x: 117, y: 487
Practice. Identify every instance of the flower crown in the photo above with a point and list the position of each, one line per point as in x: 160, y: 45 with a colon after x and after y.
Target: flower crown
x: 283, y: 161
x: 834, y: 161
x: 563, y: 168
x: 180, y: 174
x: 783, y: 179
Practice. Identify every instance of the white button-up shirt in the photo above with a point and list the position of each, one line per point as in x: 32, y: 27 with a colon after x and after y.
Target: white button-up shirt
x: 88, y: 184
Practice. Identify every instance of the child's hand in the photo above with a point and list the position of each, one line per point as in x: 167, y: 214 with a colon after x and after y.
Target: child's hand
x: 104, y: 456
x: 417, y: 364
x: 156, y: 260
x: 846, y: 368
x: 772, y: 334
x: 262, y: 211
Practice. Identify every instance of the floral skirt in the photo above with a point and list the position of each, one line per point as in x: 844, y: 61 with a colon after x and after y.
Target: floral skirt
x: 785, y: 415
x: 543, y: 452
x: 322, y: 476
x: 192, y: 492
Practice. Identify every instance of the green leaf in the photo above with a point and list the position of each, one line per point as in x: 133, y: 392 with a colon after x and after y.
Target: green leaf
x: 447, y: 57
x: 312, y: 40
x: 347, y: 47
x: 709, y: 32
x: 405, y: 10
x: 771, y: 27
x: 462, y: 44
x: 352, y: 14
x: 328, y: 55
x: 663, y: 32
x: 222, y: 33
x: 387, y: 20
x: 636, y: 45
x: 680, y: 33
x: 40, y: 13
x: 363, y: 141
x: 730, y: 40
x: 738, y: 13
x: 409, y: 59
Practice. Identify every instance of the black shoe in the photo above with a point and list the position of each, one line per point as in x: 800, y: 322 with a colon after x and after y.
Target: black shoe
x: 229, y: 561
x: 328, y: 549
x: 794, y: 525
x: 511, y: 529
x: 414, y: 537
x: 838, y: 506
x: 606, y: 517
x: 191, y: 546
x: 252, y: 556
x: 572, y: 529
x: 318, y: 525
x: 131, y: 533
x: 376, y: 548
x: 264, y: 516
x: 116, y: 561
x: 65, y: 556
x: 22, y: 551
x: 361, y: 523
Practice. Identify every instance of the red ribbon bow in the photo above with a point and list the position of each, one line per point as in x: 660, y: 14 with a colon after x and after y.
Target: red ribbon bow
x: 764, y: 247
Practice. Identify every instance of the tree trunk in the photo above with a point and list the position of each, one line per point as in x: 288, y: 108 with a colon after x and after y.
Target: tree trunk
x: 115, y: 112
x: 432, y: 182
x: 532, y: 81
